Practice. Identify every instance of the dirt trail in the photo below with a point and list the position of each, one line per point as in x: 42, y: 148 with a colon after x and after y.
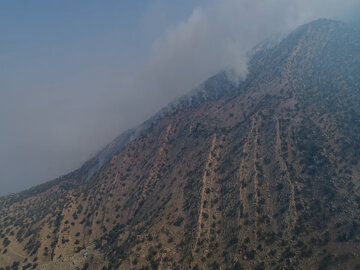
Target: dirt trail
x: 16, y: 253
x: 203, y: 226
x: 256, y: 177
x: 243, y: 174
x: 250, y: 160
x: 292, y: 209
x: 153, y: 178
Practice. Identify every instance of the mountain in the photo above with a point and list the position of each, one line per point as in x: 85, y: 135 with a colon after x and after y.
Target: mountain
x: 263, y: 174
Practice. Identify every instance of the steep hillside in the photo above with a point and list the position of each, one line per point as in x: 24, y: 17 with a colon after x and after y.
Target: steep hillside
x: 262, y: 175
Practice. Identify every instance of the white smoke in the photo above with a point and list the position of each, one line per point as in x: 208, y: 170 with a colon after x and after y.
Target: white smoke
x: 64, y: 96
x: 220, y: 35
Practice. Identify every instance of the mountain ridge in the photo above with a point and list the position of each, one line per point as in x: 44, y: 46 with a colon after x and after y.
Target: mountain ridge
x: 198, y: 94
x: 263, y: 175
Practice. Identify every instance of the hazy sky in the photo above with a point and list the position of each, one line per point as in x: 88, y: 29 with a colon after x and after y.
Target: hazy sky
x: 75, y: 74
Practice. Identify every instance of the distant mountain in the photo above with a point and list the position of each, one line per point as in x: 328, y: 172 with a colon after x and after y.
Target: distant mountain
x: 264, y: 174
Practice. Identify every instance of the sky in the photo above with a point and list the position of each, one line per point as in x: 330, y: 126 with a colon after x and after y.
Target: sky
x: 75, y: 74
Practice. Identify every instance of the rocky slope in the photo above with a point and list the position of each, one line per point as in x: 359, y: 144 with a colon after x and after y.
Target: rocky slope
x: 261, y: 175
